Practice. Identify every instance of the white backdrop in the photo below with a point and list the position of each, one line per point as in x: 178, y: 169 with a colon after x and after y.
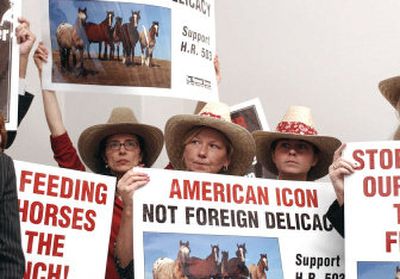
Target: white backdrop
x: 328, y: 55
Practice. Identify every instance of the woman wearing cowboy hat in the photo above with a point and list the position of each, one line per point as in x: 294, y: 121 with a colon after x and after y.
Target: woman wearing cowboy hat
x: 390, y: 89
x: 113, y: 148
x: 205, y: 142
x: 295, y: 151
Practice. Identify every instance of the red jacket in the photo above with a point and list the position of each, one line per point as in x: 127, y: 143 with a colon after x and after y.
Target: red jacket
x: 66, y: 156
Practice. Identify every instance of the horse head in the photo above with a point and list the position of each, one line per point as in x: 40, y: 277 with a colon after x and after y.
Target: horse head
x: 225, y: 255
x: 397, y: 272
x: 118, y: 20
x: 215, y: 252
x: 264, y: 261
x: 184, y: 251
x: 82, y: 15
x: 110, y: 18
x: 135, y: 18
x: 155, y: 26
x: 241, y: 251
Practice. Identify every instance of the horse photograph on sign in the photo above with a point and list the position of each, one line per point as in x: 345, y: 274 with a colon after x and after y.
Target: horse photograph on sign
x: 110, y: 43
x: 176, y: 255
x: 372, y: 270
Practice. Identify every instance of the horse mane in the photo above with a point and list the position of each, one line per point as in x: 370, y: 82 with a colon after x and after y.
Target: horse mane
x: 4, y: 7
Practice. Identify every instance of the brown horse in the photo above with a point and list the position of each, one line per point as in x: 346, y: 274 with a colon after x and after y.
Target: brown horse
x: 203, y: 268
x: 223, y: 265
x: 148, y: 42
x: 166, y: 268
x: 258, y: 271
x: 236, y: 267
x: 130, y: 37
x: 397, y: 275
x: 116, y: 36
x: 72, y: 38
x: 99, y: 33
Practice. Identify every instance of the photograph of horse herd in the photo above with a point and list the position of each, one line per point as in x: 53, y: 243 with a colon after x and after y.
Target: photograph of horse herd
x: 209, y: 256
x: 110, y: 43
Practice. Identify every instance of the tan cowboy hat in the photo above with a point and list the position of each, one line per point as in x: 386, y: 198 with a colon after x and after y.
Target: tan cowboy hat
x: 390, y: 89
x: 122, y: 120
x: 212, y: 115
x: 296, y: 124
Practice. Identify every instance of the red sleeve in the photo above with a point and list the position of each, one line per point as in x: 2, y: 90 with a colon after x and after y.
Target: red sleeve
x: 65, y: 153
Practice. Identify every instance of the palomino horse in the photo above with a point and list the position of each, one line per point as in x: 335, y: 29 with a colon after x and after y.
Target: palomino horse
x: 116, y: 36
x: 397, y: 275
x: 203, y: 268
x: 130, y: 37
x: 99, y: 33
x: 166, y: 268
x: 258, y: 271
x: 72, y: 38
x: 148, y: 42
x: 236, y: 267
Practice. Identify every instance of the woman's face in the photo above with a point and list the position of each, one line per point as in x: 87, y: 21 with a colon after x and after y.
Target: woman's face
x: 122, y: 153
x: 206, y: 152
x: 294, y: 159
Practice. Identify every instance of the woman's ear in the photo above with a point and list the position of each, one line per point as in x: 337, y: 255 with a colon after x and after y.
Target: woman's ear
x: 315, y: 161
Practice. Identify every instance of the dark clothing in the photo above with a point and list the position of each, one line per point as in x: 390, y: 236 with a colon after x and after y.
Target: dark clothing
x: 335, y: 215
x: 12, y: 262
x: 24, y: 102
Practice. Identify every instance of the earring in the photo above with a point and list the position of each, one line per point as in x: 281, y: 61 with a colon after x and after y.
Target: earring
x: 225, y: 168
x: 107, y: 166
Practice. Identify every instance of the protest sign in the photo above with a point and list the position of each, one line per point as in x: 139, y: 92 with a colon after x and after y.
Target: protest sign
x: 65, y: 221
x: 372, y: 210
x: 250, y: 115
x: 197, y: 223
x: 152, y: 47
x: 10, y: 10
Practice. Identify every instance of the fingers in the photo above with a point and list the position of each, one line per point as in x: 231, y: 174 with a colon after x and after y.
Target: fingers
x: 341, y: 164
x: 24, y: 22
x: 338, y: 152
x: 41, y: 53
x: 131, y: 181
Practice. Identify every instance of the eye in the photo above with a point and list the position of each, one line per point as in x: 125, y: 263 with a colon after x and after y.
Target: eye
x: 215, y: 146
x: 113, y: 145
x: 302, y: 146
x: 195, y: 141
x: 131, y: 144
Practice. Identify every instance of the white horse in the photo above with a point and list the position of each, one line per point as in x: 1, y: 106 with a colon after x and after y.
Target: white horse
x: 166, y: 268
x: 72, y: 38
x: 148, y: 42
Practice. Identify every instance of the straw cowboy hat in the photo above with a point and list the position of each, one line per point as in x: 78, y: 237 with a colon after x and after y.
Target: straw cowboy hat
x: 122, y: 121
x: 212, y: 115
x: 296, y: 124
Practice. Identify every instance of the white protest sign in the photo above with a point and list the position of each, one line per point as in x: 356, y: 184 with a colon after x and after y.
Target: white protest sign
x: 144, y: 47
x: 65, y: 221
x: 372, y: 210
x: 250, y: 217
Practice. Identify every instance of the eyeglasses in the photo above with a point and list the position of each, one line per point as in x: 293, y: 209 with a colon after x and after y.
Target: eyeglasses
x: 116, y: 145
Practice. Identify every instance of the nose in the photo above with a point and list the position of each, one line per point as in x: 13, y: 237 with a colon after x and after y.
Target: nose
x: 202, y: 152
x: 292, y: 151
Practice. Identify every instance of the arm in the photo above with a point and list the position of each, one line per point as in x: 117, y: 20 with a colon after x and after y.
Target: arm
x: 50, y: 103
x: 64, y: 152
x: 26, y: 39
x: 126, y: 187
x: 12, y: 260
